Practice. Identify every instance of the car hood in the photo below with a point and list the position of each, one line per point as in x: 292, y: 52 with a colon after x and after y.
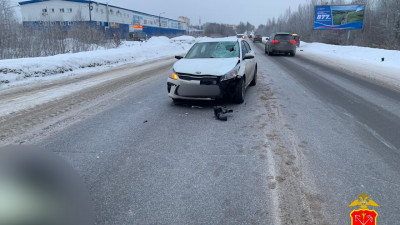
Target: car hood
x: 209, y: 66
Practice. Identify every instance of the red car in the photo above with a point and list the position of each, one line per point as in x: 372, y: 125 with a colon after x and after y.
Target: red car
x: 257, y: 38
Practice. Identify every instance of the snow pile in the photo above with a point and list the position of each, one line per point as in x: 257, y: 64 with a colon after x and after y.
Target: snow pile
x: 14, y: 71
x: 365, y: 61
x: 361, y: 54
x: 188, y: 39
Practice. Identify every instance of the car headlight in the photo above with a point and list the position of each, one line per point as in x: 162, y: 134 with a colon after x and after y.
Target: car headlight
x: 231, y: 74
x: 173, y: 75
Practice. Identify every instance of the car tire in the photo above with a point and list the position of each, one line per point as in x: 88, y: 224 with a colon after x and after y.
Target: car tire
x: 254, y: 81
x: 292, y: 53
x: 270, y: 53
x: 240, y: 88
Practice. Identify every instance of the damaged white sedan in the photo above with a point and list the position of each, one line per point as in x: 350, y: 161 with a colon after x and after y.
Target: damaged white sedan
x: 213, y: 69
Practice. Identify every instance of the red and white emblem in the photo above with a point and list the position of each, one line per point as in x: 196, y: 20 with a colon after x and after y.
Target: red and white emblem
x: 363, y: 217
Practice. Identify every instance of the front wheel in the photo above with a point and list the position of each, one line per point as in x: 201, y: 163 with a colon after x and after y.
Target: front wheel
x: 254, y: 81
x: 238, y: 96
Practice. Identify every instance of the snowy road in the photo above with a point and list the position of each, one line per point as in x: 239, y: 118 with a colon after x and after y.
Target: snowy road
x: 305, y: 143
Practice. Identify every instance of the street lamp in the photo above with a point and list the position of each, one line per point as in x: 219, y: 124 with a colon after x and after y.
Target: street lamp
x: 159, y: 21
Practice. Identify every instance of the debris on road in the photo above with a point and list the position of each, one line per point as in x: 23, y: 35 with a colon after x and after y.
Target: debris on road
x: 220, y: 112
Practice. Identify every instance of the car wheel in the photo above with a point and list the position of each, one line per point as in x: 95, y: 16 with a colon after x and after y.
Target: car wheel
x: 270, y: 53
x: 254, y: 81
x: 238, y: 96
x: 292, y: 53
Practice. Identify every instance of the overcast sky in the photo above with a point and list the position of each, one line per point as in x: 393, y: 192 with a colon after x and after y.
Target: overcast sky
x: 221, y: 11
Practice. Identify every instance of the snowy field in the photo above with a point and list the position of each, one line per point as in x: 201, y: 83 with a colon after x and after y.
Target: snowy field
x: 22, y: 71
x: 366, y: 62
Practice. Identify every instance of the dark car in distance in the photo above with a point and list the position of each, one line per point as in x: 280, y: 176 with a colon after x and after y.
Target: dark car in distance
x: 257, y: 38
x: 281, y: 43
x: 297, y: 39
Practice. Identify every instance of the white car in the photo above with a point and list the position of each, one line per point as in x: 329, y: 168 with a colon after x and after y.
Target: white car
x: 213, y: 69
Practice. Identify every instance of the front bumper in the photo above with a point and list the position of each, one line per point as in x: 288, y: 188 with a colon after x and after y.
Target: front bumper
x: 191, y: 87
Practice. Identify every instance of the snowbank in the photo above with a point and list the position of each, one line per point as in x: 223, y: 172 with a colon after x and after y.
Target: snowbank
x: 365, y: 61
x: 14, y: 71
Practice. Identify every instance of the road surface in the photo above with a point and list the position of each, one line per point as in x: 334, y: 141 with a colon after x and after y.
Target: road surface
x: 308, y: 139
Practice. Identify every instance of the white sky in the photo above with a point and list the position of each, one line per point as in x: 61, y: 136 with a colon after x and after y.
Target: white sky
x: 221, y: 11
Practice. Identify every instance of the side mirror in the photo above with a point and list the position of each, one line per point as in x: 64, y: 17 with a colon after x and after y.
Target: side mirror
x: 178, y: 57
x: 248, y: 56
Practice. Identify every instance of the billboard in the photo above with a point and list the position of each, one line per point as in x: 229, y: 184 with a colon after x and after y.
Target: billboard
x: 344, y: 17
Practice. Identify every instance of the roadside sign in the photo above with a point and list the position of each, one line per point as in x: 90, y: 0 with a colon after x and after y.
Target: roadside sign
x: 343, y: 17
x: 137, y: 27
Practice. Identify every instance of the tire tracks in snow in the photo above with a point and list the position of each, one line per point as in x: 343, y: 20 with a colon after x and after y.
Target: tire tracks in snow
x: 29, y: 123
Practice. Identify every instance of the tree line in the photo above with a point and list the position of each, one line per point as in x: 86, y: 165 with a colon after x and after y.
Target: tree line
x: 381, y: 24
x: 226, y: 30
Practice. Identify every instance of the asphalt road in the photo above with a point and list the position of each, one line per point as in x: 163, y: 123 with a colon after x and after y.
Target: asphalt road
x: 308, y: 139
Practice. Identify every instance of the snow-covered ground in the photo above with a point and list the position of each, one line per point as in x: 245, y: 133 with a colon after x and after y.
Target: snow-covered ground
x: 363, y: 61
x: 21, y: 71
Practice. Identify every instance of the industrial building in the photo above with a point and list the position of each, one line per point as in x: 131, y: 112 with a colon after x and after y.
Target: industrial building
x: 47, y: 13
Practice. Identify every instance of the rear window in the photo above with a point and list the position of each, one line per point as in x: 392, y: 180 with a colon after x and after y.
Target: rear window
x: 283, y: 37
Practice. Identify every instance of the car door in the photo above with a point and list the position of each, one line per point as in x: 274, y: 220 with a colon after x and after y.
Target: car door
x: 252, y: 62
x: 269, y: 42
x: 246, y: 63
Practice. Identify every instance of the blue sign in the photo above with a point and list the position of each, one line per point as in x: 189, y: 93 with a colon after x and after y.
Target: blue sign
x: 343, y: 17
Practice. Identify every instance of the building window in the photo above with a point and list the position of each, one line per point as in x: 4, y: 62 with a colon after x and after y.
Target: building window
x: 69, y: 10
x: 102, y: 11
x: 44, y: 10
x: 52, y: 10
x: 61, y: 10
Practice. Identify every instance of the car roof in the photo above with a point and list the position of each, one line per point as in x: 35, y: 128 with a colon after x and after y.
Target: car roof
x: 234, y: 39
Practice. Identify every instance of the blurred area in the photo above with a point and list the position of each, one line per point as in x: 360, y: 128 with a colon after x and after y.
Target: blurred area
x: 39, y: 188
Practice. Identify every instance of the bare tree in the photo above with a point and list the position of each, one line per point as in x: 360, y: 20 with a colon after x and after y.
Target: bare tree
x: 381, y: 24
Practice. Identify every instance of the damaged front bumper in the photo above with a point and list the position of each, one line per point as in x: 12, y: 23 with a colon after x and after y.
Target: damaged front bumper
x: 196, y: 87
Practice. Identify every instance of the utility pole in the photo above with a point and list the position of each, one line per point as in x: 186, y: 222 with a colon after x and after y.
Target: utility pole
x: 90, y: 11
x: 90, y: 20
x: 159, y: 22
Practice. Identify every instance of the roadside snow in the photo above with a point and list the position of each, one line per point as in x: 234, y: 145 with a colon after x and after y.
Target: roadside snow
x: 364, y: 61
x: 26, y: 70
